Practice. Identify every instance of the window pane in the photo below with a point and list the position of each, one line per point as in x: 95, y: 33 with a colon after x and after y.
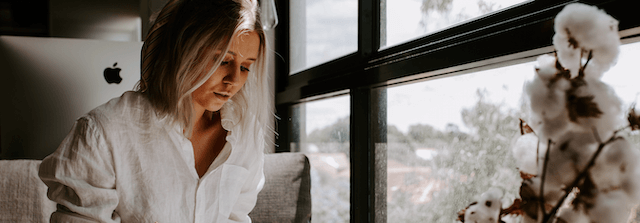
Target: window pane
x: 322, y: 30
x: 449, y: 139
x: 408, y: 19
x: 321, y: 131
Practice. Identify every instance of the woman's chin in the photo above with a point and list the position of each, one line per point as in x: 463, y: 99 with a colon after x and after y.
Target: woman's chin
x: 214, y: 108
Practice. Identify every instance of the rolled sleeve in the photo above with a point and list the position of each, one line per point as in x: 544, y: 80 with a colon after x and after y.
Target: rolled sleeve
x: 81, y: 176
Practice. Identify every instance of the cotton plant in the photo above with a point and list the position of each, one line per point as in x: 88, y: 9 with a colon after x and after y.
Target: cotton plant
x: 485, y: 209
x: 575, y: 164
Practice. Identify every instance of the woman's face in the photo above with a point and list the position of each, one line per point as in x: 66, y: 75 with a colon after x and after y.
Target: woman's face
x: 232, y: 73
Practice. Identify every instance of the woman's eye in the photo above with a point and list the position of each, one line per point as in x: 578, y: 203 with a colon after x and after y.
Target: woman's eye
x: 224, y: 63
x: 243, y: 68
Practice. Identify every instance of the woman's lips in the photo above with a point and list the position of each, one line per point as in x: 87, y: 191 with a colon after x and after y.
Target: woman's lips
x: 222, y: 95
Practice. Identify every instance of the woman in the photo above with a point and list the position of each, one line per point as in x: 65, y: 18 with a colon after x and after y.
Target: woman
x: 188, y: 145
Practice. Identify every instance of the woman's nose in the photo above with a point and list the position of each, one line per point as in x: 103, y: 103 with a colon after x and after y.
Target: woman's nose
x: 232, y: 76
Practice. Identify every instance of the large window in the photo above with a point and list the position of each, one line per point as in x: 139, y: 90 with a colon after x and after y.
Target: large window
x: 431, y: 111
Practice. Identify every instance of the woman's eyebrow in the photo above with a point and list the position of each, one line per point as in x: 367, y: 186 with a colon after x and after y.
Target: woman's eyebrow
x: 234, y: 54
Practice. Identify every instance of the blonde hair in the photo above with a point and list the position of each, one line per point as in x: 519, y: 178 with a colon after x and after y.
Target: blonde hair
x: 172, y: 58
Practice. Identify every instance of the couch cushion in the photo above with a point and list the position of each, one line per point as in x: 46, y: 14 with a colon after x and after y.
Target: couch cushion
x: 285, y: 197
x: 286, y: 194
x: 23, y: 197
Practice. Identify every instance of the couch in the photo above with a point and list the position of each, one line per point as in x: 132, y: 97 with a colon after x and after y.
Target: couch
x: 285, y: 197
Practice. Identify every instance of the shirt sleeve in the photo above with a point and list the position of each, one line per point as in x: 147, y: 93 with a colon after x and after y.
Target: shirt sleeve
x: 81, y: 177
x: 249, y: 193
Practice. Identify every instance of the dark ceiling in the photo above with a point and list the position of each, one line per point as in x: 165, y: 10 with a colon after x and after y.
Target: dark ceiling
x: 119, y: 20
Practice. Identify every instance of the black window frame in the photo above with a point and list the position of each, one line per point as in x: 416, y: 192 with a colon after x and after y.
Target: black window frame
x: 516, y: 33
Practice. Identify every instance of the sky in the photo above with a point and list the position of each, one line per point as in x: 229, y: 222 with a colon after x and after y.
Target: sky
x: 404, y: 16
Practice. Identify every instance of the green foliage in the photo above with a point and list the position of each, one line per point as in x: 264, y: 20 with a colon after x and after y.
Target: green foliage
x: 482, y: 158
x: 436, y: 5
x: 333, y: 205
x: 333, y: 138
x: 467, y: 164
x: 336, y: 132
x: 330, y: 193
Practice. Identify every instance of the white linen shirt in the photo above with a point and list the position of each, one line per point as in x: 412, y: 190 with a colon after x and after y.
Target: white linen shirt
x: 122, y: 163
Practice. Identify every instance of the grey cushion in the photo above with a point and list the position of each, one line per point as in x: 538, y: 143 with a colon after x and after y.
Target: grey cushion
x: 286, y: 196
x: 23, y: 197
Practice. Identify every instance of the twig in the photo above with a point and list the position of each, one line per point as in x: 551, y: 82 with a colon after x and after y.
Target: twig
x: 621, y: 129
x: 583, y: 174
x: 542, y: 178
x: 538, y: 153
x: 582, y: 68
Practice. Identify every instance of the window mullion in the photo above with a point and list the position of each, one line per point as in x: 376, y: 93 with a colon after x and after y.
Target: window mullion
x: 361, y: 162
x: 365, y: 104
x: 282, y: 44
x: 368, y: 138
x: 368, y: 27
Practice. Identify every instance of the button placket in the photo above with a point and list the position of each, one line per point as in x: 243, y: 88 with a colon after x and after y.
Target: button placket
x: 200, y: 198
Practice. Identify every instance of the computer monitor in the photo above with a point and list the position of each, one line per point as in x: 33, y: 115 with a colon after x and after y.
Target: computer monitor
x: 47, y: 83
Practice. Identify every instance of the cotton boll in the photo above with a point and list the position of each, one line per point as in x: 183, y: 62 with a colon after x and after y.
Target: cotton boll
x: 596, y: 70
x: 569, y: 155
x: 575, y: 146
x: 525, y: 152
x: 547, y: 99
x: 586, y: 24
x: 547, y: 103
x: 546, y: 67
x: 583, y: 28
x: 610, y: 207
x: 614, y: 164
x: 612, y: 117
x: 569, y: 214
x: 631, y: 185
x: 604, y: 56
x: 578, y: 21
x: 604, y: 31
x: 487, y: 208
x: 556, y: 127
x: 568, y: 55
x: 589, y: 26
x: 552, y: 191
x: 603, y: 38
x: 631, y: 182
x: 547, y: 96
x: 511, y: 219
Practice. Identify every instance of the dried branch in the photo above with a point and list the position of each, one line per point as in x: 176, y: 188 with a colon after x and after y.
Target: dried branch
x: 514, y: 209
x: 583, y: 67
x: 525, y: 128
x: 633, y: 118
x: 538, y: 153
x: 542, y: 178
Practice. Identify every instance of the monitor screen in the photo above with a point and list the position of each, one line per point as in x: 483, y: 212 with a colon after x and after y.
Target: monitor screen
x: 47, y: 83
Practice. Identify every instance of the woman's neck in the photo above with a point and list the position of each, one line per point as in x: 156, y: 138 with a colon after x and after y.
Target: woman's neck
x: 207, y: 139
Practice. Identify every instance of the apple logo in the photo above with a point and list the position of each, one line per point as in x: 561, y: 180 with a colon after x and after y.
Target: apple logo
x: 112, y: 74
